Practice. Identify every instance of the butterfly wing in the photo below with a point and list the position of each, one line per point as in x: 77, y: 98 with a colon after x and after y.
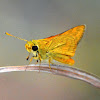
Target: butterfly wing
x: 66, y: 42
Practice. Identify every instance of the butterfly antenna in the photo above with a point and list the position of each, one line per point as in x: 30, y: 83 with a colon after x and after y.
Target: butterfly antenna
x: 15, y: 36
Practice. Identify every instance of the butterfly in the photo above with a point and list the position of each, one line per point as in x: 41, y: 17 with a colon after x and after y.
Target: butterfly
x: 60, y: 47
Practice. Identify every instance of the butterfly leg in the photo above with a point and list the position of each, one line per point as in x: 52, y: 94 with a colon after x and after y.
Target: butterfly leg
x: 31, y: 59
x: 39, y: 60
x: 36, y: 62
x: 50, y: 62
x: 27, y: 58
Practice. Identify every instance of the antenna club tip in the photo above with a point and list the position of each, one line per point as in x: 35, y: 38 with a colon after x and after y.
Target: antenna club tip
x: 6, y: 33
x: 14, y: 36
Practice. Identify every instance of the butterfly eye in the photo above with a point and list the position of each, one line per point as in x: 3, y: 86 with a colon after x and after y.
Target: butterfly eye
x: 34, y: 48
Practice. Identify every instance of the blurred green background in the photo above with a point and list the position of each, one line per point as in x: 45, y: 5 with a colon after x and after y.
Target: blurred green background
x: 37, y: 19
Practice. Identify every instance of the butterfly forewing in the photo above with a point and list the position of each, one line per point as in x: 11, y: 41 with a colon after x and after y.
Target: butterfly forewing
x: 66, y: 42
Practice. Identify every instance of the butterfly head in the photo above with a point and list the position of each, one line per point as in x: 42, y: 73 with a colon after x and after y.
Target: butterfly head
x: 31, y: 46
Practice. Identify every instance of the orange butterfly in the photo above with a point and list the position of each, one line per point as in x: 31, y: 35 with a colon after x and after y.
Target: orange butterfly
x: 60, y: 47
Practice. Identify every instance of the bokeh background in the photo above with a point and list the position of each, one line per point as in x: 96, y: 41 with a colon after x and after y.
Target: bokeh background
x: 36, y: 19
